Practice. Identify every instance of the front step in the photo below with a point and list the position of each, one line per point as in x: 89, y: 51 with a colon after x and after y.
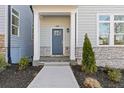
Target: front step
x: 54, y: 59
x: 37, y: 63
x: 55, y: 63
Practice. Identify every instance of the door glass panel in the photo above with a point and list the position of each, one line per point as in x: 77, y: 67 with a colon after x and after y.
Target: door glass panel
x: 57, y: 33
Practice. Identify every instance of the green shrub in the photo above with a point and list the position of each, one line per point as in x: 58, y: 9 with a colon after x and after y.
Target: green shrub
x: 24, y: 63
x: 3, y: 63
x: 107, y: 68
x: 88, y: 57
x: 114, y: 75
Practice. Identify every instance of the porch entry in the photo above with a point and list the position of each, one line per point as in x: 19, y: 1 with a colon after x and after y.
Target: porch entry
x: 57, y: 41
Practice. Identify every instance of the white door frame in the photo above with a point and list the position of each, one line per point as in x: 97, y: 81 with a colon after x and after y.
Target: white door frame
x: 63, y: 40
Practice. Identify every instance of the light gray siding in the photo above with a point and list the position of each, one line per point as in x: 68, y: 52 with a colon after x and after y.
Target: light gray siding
x: 87, y: 23
x: 47, y: 22
x: 24, y: 42
x: 3, y: 29
x: 2, y: 19
x: 87, y: 17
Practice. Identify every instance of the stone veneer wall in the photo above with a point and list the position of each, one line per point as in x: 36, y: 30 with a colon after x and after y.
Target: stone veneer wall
x: 45, y: 51
x: 2, y: 43
x: 67, y: 51
x: 111, y: 56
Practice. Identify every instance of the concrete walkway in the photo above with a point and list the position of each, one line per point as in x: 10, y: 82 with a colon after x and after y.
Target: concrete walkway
x: 54, y: 77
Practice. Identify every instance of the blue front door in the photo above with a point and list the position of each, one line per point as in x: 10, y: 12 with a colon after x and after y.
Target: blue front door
x: 57, y: 41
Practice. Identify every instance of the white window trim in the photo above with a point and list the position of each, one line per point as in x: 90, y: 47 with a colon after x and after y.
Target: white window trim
x: 111, y: 39
x: 13, y: 24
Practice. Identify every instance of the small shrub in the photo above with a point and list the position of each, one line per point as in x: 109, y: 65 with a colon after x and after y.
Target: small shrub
x: 114, y: 75
x: 24, y: 63
x: 91, y: 83
x: 88, y: 62
x: 3, y: 63
x: 107, y: 68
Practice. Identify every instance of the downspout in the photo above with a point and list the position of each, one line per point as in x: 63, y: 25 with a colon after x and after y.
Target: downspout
x: 32, y: 31
x: 9, y: 34
x: 31, y: 8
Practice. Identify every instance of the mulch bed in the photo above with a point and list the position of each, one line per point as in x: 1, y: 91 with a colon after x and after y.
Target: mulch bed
x: 100, y: 75
x: 14, y: 78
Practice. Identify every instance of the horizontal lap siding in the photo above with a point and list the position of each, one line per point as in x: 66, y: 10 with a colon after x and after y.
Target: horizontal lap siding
x: 47, y: 23
x: 3, y: 25
x: 87, y: 20
x: 23, y: 43
x: 2, y: 19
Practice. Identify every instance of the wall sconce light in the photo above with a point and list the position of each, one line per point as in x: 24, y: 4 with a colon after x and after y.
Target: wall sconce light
x: 68, y: 30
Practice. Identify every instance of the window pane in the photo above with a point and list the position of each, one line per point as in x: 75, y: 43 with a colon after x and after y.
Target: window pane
x: 15, y: 12
x: 14, y: 30
x: 103, y: 39
x: 15, y: 20
x: 119, y: 17
x: 104, y: 18
x: 119, y: 40
x: 104, y: 28
x: 119, y: 27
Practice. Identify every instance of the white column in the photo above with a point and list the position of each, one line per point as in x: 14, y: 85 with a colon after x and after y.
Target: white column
x: 36, y: 36
x: 72, y: 37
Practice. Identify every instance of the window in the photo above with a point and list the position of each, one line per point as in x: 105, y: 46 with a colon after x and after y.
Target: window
x: 110, y: 29
x: 119, y: 29
x: 119, y: 33
x: 119, y: 17
x: 104, y: 33
x: 104, y: 29
x: 15, y: 22
x: 104, y: 18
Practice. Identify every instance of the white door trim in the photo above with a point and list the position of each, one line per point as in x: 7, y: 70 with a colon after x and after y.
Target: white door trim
x: 51, y: 40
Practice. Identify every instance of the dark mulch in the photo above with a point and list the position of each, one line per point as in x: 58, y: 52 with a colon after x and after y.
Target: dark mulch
x: 100, y: 75
x: 14, y: 78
